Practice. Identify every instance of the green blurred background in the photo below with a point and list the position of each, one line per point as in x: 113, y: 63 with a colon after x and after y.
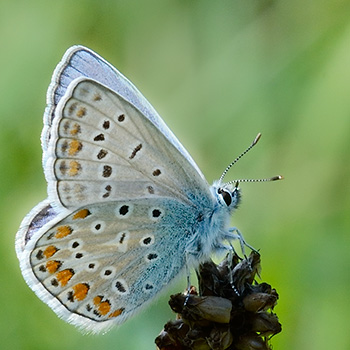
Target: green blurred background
x: 218, y: 72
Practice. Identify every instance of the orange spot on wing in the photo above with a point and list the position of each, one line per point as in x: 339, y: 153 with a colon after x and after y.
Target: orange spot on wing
x: 74, y: 147
x: 80, y: 291
x: 75, y: 130
x: 104, y: 308
x: 116, y: 313
x: 52, y: 266
x: 81, y: 214
x: 63, y: 231
x: 74, y: 168
x: 64, y: 276
x: 81, y: 112
x: 97, y: 300
x: 50, y: 251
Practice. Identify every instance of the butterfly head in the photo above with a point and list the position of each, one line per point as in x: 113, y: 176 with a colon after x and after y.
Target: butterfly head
x: 228, y: 197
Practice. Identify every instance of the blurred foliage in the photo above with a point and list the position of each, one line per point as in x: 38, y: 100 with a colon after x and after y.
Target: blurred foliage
x: 218, y: 72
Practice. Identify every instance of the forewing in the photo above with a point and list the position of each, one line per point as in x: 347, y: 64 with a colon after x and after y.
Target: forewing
x: 79, y: 61
x: 101, y: 263
x: 103, y: 149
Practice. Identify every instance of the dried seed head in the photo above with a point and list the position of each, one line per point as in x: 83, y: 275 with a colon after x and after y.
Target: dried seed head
x: 232, y: 310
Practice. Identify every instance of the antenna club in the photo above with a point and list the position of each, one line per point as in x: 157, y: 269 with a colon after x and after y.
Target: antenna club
x: 257, y: 138
x: 278, y: 177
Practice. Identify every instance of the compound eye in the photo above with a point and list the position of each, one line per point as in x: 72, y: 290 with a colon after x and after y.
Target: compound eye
x: 226, y: 196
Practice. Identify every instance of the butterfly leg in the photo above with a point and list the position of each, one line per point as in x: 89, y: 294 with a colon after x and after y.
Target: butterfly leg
x: 232, y: 234
x: 188, y: 279
x: 188, y: 256
x: 224, y: 248
x: 231, y: 253
x: 235, y: 233
x: 230, y: 250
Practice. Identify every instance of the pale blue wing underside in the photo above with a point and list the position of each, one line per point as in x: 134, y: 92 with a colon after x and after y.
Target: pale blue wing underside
x: 102, y: 149
x: 79, y: 61
x: 126, y: 203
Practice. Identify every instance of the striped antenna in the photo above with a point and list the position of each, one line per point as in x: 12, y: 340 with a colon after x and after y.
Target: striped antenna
x: 257, y: 138
x: 273, y: 178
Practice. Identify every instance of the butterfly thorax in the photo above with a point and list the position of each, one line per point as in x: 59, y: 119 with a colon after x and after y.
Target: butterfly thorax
x: 213, y: 225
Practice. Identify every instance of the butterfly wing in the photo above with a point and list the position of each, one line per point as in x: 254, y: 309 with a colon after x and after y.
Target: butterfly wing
x: 79, y: 61
x: 125, y: 199
x: 104, y: 149
x: 98, y: 265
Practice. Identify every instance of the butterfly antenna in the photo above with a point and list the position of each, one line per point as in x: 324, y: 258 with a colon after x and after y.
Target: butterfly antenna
x: 257, y: 138
x: 273, y: 178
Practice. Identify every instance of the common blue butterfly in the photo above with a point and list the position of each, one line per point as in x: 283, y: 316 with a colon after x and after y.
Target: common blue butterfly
x: 127, y: 207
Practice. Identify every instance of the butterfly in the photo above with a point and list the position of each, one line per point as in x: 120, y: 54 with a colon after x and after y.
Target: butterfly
x: 127, y: 210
